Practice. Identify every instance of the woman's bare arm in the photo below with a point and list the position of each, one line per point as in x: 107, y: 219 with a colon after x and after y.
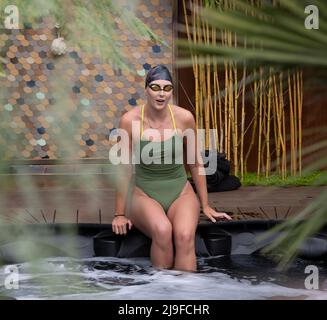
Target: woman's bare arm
x: 196, y: 167
x: 199, y: 177
x: 124, y: 171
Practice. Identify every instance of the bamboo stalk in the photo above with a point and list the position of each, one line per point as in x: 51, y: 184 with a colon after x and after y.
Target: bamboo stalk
x: 268, y: 125
x: 230, y: 127
x: 230, y: 131
x: 275, y: 117
x: 254, y: 128
x: 291, y: 123
x: 300, y: 101
x: 226, y: 97
x: 220, y: 111
x: 264, y: 131
x: 208, y: 105
x: 260, y: 120
x: 243, y: 121
x: 279, y: 111
x: 194, y: 59
x: 188, y: 33
x: 295, y: 121
x: 215, y: 89
x: 196, y: 71
x: 284, y: 171
x: 235, y: 127
x: 204, y: 103
x: 201, y: 81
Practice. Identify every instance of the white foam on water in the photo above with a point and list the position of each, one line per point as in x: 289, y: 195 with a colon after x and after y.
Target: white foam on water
x: 209, y: 286
x: 66, y: 278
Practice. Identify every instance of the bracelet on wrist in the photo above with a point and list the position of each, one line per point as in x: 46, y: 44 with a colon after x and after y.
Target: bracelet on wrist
x: 119, y: 215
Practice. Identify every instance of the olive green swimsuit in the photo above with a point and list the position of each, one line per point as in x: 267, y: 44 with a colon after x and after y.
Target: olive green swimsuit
x: 160, y: 180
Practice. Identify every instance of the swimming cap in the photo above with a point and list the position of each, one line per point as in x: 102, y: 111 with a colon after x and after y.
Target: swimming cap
x: 159, y: 72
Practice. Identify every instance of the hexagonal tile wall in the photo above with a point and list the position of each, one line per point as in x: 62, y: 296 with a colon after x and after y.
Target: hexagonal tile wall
x: 66, y: 107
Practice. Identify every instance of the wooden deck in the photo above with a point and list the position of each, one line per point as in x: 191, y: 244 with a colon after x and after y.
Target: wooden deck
x: 68, y: 205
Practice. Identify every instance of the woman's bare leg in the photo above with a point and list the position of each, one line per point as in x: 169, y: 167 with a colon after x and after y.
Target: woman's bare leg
x: 184, y: 216
x: 149, y: 217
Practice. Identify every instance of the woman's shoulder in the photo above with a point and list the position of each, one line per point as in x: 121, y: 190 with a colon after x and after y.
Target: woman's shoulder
x: 131, y: 115
x: 127, y: 118
x: 182, y: 115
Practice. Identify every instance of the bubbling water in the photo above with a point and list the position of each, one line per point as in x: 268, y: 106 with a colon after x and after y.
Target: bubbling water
x: 225, y: 277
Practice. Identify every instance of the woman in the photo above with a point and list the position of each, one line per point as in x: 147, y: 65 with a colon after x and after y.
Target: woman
x: 164, y: 205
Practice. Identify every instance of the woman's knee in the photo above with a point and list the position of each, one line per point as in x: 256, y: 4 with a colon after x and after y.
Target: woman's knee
x: 162, y: 232
x: 184, y: 239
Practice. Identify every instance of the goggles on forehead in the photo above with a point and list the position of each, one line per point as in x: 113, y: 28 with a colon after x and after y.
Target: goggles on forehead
x: 156, y: 87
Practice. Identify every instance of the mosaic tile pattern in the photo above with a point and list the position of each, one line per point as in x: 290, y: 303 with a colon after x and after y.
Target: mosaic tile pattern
x: 42, y: 96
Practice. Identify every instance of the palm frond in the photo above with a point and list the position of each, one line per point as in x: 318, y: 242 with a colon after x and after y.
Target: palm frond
x: 275, y: 35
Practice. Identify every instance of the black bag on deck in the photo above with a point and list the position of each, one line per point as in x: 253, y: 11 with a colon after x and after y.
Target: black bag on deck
x: 217, y: 162
x: 217, y: 172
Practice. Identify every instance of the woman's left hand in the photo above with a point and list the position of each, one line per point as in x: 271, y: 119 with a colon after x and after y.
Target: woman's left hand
x: 212, y: 214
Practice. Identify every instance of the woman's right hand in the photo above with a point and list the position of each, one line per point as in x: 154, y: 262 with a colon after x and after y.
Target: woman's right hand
x: 119, y: 224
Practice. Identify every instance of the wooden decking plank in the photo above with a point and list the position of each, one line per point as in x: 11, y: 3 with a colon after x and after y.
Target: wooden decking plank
x: 46, y: 214
x: 107, y: 214
x: 61, y: 205
x: 15, y: 216
x: 65, y: 215
x: 88, y: 215
x: 39, y: 215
